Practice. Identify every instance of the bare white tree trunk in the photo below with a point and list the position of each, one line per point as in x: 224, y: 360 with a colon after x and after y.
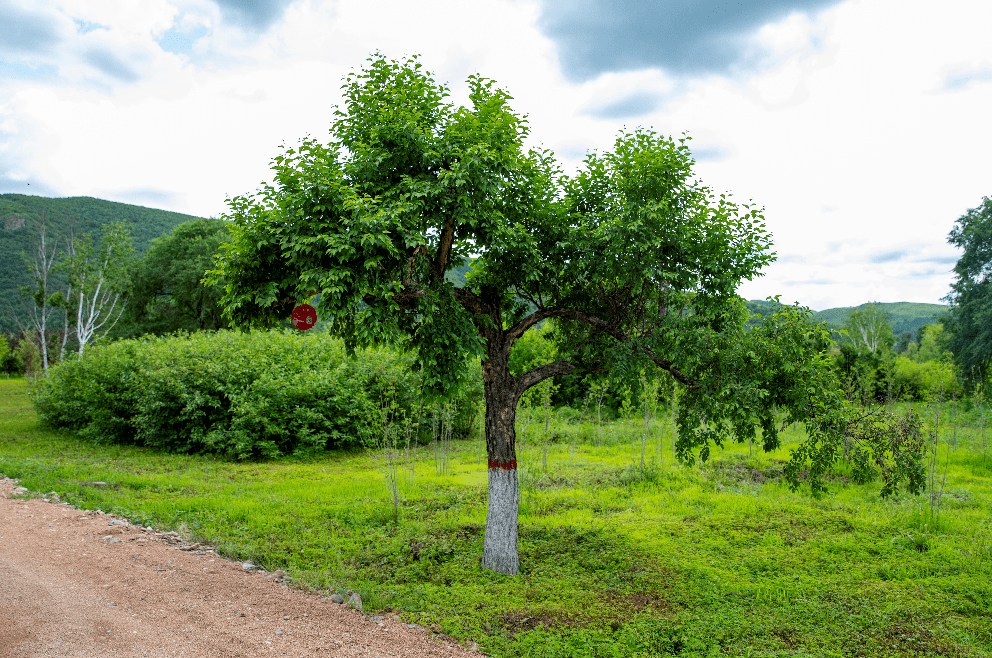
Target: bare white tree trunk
x: 94, y: 312
x: 38, y: 307
x: 100, y: 282
x: 499, y: 547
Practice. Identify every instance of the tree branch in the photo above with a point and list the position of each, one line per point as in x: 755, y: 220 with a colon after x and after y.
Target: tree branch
x: 666, y: 364
x: 469, y: 300
x: 440, y: 262
x: 539, y: 374
x: 517, y: 330
x: 602, y: 326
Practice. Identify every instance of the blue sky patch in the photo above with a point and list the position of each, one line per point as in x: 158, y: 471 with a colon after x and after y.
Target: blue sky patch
x: 181, y: 43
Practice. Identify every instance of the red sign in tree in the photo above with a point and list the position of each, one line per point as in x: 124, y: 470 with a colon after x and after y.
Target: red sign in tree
x: 304, y: 317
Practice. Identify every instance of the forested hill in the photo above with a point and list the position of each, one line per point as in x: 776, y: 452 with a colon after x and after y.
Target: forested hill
x: 903, y: 316
x: 20, y: 226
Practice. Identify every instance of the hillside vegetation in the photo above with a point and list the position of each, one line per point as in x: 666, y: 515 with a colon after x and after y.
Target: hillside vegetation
x: 20, y: 226
x: 903, y: 316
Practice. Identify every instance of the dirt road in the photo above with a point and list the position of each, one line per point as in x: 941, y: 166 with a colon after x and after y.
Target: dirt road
x: 75, y: 583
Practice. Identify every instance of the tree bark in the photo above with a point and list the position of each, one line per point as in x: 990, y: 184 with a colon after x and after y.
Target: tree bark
x: 502, y: 394
x: 499, y: 547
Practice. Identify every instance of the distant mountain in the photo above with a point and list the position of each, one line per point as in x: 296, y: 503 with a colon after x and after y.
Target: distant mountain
x: 903, y: 316
x: 20, y: 225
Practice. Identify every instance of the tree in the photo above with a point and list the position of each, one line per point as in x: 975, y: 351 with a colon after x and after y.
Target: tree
x: 969, y: 318
x: 632, y: 262
x: 4, y: 350
x: 903, y: 341
x: 99, y: 280
x: 39, y: 303
x: 868, y: 327
x: 167, y: 293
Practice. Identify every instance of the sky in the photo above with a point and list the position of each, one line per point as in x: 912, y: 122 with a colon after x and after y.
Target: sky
x: 861, y: 127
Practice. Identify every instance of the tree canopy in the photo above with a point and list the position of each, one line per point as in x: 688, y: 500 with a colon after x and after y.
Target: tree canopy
x: 632, y: 261
x: 969, y: 320
x: 167, y: 293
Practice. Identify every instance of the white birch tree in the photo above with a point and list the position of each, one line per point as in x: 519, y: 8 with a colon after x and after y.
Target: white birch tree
x: 99, y: 282
x: 867, y: 326
x: 38, y: 302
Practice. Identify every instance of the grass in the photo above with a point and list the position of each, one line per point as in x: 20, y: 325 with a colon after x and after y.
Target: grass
x: 718, y: 559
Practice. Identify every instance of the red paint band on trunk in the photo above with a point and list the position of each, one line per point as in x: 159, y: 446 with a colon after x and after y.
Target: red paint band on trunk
x: 509, y: 466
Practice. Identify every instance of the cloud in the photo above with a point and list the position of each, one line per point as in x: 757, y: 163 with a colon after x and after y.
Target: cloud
x: 888, y: 256
x: 257, y: 96
x: 813, y: 282
x: 148, y: 197
x: 252, y: 15
x: 950, y: 259
x: 632, y: 105
x: 962, y: 79
x: 684, y: 37
x: 110, y: 64
x: 710, y: 153
x: 15, y: 184
x: 26, y: 32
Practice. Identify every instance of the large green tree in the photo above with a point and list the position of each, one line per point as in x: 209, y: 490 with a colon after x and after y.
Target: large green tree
x: 969, y: 319
x: 168, y: 294
x: 632, y: 261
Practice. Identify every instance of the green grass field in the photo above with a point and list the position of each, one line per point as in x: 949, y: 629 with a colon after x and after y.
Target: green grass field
x: 718, y: 559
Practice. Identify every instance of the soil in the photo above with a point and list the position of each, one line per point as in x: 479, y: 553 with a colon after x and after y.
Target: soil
x: 84, y: 583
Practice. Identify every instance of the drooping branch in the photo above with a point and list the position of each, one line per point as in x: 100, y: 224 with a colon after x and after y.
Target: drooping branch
x: 668, y: 365
x: 602, y: 326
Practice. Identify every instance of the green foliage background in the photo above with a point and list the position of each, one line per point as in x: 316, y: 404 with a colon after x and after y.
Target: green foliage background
x: 84, y: 215
x: 168, y: 294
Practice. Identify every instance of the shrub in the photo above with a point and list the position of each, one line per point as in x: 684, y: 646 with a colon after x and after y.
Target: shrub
x: 27, y: 355
x: 263, y: 394
x: 915, y: 380
x: 4, y: 354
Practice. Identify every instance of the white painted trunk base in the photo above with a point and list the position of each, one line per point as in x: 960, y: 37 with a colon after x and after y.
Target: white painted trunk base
x: 499, y: 547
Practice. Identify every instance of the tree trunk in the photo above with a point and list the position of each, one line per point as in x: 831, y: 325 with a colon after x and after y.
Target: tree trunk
x: 499, y: 548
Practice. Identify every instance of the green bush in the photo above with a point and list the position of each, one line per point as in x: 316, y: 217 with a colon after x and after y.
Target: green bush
x: 5, y: 355
x: 263, y: 394
x: 915, y: 380
x: 27, y: 355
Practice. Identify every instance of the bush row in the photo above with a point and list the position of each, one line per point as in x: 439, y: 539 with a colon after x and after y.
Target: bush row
x: 880, y: 376
x: 242, y: 395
